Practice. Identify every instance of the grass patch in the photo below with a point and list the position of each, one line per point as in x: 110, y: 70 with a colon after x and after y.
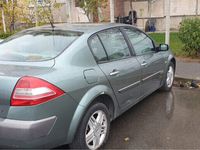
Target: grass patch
x: 5, y: 35
x: 175, y: 43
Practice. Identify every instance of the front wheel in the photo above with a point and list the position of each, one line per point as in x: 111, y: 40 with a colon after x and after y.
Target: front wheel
x: 168, y: 82
x: 94, y: 128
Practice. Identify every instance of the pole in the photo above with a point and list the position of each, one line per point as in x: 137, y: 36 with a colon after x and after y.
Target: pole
x: 167, y: 22
x: 131, y: 6
x: 149, y: 8
x: 112, y: 11
x: 69, y: 9
x: 197, y: 7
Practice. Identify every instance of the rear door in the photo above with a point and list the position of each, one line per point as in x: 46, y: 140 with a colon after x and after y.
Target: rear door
x: 152, y: 62
x: 115, y: 60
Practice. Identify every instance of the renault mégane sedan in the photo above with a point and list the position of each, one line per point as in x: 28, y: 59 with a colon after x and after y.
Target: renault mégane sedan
x: 64, y: 85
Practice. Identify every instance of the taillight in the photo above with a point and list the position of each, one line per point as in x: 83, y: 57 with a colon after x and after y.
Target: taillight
x: 33, y: 91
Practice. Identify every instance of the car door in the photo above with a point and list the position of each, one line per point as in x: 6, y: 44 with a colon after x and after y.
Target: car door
x: 152, y: 62
x: 121, y: 69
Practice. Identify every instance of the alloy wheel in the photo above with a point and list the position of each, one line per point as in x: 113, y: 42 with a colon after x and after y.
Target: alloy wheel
x: 96, y: 130
x: 170, y: 76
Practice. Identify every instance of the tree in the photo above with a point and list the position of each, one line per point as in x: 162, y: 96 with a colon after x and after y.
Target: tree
x: 8, y: 14
x: 91, y: 7
x: 24, y: 13
x: 3, y: 17
x: 42, y: 12
x: 189, y: 34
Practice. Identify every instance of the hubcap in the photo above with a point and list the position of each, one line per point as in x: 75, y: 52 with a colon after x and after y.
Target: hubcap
x: 96, y: 130
x: 170, y: 76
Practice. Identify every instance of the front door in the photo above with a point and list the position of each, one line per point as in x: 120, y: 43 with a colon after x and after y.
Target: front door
x: 121, y: 68
x: 152, y: 62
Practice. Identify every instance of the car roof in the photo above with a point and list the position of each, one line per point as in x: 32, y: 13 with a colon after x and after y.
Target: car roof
x: 81, y: 27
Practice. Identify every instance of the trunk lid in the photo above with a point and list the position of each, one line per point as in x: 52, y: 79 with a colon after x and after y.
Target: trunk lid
x: 11, y: 72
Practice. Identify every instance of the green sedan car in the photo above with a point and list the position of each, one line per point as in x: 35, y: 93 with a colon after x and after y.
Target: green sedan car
x: 64, y: 85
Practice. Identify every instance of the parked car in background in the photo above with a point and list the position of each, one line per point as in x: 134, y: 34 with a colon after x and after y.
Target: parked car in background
x: 64, y: 85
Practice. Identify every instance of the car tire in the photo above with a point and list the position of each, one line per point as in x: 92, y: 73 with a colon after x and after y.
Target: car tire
x: 93, y: 128
x: 169, y: 78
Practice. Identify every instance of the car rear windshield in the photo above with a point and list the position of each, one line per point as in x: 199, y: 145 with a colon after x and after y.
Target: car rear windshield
x: 37, y: 45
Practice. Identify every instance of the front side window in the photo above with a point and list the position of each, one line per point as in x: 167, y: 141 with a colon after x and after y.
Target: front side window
x: 141, y: 43
x: 36, y: 45
x: 97, y: 49
x: 115, y: 44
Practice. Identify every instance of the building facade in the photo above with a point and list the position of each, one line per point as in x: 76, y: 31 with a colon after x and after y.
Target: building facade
x: 179, y: 9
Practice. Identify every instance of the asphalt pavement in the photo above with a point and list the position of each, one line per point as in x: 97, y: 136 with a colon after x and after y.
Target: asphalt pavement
x: 161, y: 121
x: 164, y: 120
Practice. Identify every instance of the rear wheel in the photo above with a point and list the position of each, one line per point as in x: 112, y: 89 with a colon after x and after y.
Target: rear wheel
x: 94, y: 129
x: 168, y: 83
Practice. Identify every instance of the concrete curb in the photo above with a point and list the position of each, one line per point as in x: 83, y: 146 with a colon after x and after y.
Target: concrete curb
x: 179, y: 78
x: 186, y: 82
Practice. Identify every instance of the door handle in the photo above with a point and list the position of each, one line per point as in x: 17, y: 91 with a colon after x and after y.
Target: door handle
x: 144, y: 63
x: 114, y: 73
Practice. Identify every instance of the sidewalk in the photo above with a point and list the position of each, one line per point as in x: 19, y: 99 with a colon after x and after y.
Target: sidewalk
x: 187, y: 70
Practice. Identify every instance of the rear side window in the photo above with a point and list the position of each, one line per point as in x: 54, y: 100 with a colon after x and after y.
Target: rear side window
x: 115, y: 44
x: 97, y: 49
x: 36, y: 45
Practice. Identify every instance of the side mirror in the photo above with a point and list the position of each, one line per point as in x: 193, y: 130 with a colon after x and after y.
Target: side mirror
x: 163, y: 47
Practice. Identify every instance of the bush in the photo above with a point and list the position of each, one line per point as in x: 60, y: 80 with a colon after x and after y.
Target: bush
x: 189, y: 34
x: 5, y: 35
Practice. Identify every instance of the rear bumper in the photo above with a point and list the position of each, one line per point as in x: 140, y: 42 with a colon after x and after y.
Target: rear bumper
x: 25, y: 130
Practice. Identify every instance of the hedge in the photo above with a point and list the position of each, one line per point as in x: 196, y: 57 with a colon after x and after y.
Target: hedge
x: 189, y: 34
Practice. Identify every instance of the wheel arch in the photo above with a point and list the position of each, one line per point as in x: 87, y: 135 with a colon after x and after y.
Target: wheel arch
x: 173, y: 60
x: 99, y: 93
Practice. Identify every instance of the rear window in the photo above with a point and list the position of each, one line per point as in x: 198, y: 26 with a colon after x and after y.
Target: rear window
x: 36, y: 45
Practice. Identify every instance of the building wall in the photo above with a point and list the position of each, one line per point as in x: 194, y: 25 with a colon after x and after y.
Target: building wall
x: 179, y: 9
x: 183, y: 7
x: 140, y: 7
x: 158, y: 8
x: 119, y: 10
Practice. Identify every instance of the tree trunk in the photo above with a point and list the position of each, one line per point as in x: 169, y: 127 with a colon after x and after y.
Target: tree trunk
x: 96, y: 13
x: 36, y: 13
x: 3, y: 20
x: 12, y: 26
